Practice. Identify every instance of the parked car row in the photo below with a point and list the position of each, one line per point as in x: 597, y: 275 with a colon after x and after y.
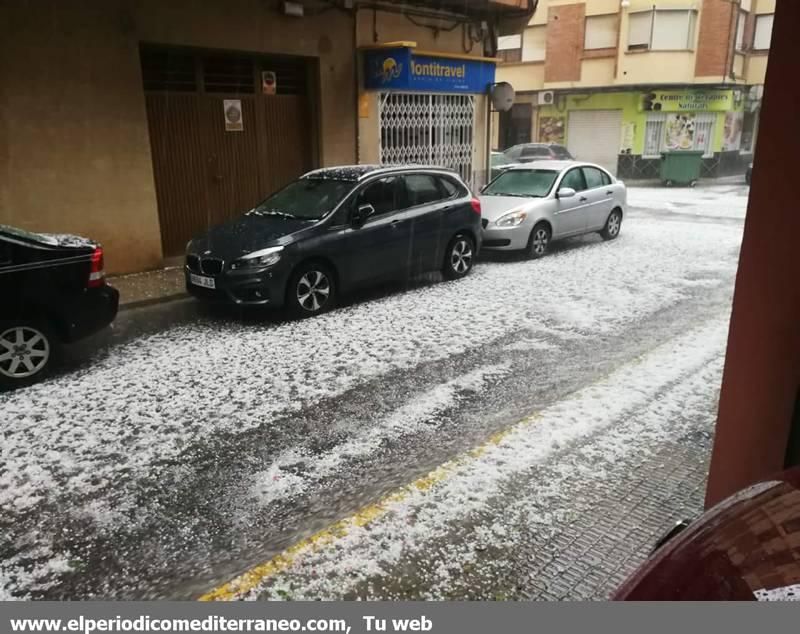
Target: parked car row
x: 336, y: 229
x: 326, y: 233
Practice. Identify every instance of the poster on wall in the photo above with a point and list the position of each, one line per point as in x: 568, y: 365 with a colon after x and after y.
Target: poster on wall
x: 627, y: 135
x: 680, y: 132
x: 732, y: 136
x: 233, y: 115
x: 551, y: 130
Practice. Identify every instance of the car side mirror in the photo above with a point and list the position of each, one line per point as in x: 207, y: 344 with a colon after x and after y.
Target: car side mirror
x: 362, y: 214
x: 565, y: 192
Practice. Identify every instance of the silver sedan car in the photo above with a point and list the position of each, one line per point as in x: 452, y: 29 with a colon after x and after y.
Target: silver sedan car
x: 528, y: 206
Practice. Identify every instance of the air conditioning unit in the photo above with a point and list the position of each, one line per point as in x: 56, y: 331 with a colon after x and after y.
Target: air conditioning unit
x: 546, y: 98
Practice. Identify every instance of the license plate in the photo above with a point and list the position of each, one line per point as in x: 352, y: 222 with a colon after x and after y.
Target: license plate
x: 202, y: 280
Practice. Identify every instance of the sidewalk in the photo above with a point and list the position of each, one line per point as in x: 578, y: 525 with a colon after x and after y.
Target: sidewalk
x: 150, y: 287
x: 723, y: 181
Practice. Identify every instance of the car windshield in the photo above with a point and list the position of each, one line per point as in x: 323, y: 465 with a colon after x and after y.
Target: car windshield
x: 305, y: 199
x: 528, y: 183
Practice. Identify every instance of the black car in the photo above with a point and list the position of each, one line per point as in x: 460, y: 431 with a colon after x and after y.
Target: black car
x: 528, y: 152
x: 53, y: 291
x: 336, y: 229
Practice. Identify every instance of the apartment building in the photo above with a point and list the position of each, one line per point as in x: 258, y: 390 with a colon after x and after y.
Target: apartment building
x: 621, y: 81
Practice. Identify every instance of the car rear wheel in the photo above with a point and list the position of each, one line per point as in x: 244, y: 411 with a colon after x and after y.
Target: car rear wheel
x: 312, y: 290
x: 26, y: 353
x: 613, y: 225
x: 539, y: 242
x: 459, y: 257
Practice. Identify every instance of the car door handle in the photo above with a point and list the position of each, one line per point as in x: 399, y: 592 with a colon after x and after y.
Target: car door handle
x: 609, y: 193
x: 395, y: 223
x: 583, y: 199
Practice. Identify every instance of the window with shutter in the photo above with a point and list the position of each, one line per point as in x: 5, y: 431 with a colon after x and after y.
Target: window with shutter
x: 601, y: 32
x: 763, y: 34
x: 534, y: 44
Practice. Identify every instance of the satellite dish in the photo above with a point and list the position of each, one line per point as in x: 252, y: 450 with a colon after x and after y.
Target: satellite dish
x: 502, y: 96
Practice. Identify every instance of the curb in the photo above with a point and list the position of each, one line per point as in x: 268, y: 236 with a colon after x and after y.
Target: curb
x: 153, y: 301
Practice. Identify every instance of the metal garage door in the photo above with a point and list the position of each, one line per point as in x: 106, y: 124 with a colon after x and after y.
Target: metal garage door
x: 205, y: 173
x: 594, y: 136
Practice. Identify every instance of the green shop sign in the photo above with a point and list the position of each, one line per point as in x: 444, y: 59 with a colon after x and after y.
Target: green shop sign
x: 685, y: 100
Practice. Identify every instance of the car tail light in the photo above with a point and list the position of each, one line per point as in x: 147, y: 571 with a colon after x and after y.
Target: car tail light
x: 476, y: 206
x: 97, y: 273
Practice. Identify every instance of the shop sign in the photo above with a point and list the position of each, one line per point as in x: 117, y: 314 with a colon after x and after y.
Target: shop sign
x: 685, y: 100
x: 402, y: 69
x: 233, y: 115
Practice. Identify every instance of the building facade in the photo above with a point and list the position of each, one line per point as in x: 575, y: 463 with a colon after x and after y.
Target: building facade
x: 141, y: 123
x: 621, y: 81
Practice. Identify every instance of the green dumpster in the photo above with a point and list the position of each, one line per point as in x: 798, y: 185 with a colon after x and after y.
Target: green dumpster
x: 681, y: 167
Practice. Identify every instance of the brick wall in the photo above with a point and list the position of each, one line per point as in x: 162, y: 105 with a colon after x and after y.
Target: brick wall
x: 715, y: 41
x: 565, y: 32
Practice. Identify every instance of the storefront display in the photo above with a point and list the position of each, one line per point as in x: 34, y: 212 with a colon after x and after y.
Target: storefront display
x: 647, y: 125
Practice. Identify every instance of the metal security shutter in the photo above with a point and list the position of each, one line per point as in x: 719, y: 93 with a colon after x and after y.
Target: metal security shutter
x: 429, y: 130
x: 594, y: 136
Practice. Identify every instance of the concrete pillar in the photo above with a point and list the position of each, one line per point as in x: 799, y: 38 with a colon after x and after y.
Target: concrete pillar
x: 762, y: 367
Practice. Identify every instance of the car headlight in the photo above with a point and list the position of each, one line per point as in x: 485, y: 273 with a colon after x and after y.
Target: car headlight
x: 514, y: 219
x: 258, y: 259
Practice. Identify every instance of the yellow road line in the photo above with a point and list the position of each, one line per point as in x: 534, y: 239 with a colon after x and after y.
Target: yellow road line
x: 251, y: 579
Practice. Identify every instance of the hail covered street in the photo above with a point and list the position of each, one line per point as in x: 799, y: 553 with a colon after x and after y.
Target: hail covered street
x: 526, y: 432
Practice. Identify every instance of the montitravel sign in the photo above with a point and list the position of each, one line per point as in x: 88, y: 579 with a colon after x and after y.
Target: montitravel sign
x: 684, y: 100
x: 402, y: 69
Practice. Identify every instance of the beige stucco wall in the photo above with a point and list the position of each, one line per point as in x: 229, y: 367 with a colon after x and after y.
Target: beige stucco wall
x: 73, y: 131
x: 522, y: 76
x: 764, y: 6
x: 756, y: 69
x: 596, y: 72
x: 671, y: 66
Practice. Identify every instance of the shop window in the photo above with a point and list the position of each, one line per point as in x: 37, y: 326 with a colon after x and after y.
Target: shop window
x: 654, y: 135
x: 741, y: 25
x: 601, y: 32
x: 534, y: 44
x: 763, y: 33
x: 704, y: 134
x: 662, y: 30
x: 749, y: 131
x: 699, y: 128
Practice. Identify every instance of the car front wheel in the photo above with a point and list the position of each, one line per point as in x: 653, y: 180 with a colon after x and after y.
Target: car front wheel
x: 539, y: 242
x: 459, y: 257
x: 26, y: 352
x: 613, y: 225
x: 312, y: 290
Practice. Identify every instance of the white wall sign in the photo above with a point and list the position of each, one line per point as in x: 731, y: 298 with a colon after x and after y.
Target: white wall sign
x: 233, y: 115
